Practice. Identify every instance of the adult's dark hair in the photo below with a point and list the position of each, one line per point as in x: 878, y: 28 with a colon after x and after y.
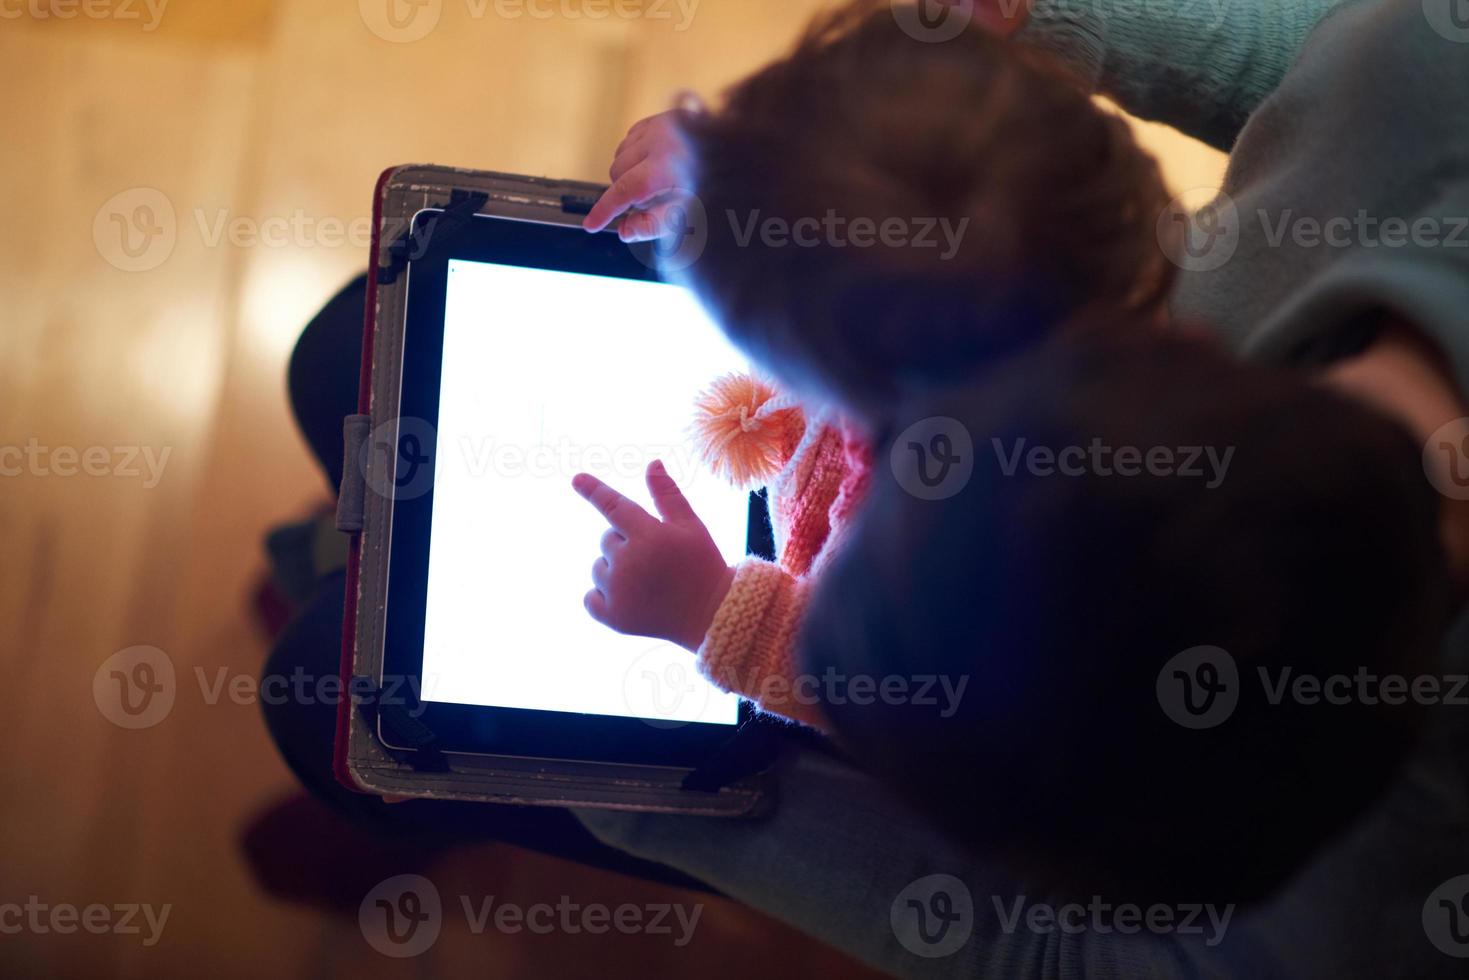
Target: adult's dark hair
x: 1062, y: 598
x: 1050, y: 203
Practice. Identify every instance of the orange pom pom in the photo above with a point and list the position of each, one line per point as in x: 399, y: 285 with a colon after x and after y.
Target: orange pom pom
x: 745, y: 429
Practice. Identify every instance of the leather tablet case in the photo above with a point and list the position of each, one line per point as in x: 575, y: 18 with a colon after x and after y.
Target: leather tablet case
x: 728, y: 784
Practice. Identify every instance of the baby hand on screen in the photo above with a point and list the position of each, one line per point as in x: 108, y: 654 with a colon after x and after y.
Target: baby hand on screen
x: 650, y: 177
x: 661, y: 578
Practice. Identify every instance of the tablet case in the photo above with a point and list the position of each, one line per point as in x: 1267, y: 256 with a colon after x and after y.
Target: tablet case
x: 728, y: 784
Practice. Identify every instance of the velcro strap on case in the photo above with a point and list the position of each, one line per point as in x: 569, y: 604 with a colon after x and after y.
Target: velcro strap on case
x: 352, y: 495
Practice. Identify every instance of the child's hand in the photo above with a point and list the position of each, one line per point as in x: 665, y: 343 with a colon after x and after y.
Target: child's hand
x: 999, y: 17
x: 650, y: 175
x: 663, y: 579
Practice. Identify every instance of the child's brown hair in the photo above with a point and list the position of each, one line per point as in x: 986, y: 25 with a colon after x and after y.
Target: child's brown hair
x: 953, y: 202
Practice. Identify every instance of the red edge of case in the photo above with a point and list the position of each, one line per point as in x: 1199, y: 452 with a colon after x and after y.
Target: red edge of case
x: 340, y: 766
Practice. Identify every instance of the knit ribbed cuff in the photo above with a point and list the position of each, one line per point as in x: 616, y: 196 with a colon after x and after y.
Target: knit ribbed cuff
x: 750, y: 647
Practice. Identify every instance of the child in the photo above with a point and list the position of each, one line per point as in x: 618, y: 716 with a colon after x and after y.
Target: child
x: 880, y: 215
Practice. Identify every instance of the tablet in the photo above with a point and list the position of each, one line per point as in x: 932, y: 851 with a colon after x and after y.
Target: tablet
x: 531, y: 352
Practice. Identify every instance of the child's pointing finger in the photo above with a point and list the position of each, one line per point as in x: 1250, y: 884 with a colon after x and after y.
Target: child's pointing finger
x: 624, y: 515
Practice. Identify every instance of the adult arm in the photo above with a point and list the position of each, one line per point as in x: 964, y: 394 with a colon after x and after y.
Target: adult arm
x: 1201, y: 66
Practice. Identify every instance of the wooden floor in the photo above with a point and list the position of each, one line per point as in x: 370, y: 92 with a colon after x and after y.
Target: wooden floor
x: 237, y: 118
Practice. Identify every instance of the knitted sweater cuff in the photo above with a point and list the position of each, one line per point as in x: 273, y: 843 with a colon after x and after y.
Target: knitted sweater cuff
x: 750, y: 646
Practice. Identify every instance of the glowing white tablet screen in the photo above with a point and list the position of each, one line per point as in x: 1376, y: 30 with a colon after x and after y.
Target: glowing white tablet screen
x: 547, y: 374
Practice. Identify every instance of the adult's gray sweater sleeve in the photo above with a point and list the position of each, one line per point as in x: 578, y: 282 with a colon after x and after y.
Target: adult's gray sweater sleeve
x: 1201, y: 66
